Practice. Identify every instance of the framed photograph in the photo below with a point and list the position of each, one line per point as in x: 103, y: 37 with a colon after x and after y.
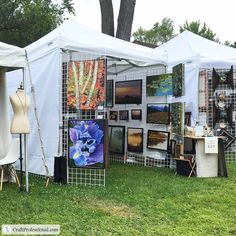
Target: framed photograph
x: 86, y: 84
x: 202, y: 89
x: 177, y: 119
x: 109, y: 93
x: 113, y: 115
x: 159, y: 85
x: 158, y: 113
x: 134, y: 139
x: 158, y: 140
x: 136, y: 114
x: 178, y: 80
x: 128, y: 92
x: 187, y: 118
x: 123, y: 115
x: 86, y: 143
x: 117, y: 139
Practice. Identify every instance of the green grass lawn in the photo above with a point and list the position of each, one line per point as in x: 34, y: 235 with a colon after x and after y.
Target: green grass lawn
x: 135, y: 201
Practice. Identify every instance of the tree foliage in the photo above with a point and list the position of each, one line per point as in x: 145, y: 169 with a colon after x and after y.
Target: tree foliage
x: 197, y: 28
x: 158, y: 34
x: 228, y: 43
x: 24, y: 21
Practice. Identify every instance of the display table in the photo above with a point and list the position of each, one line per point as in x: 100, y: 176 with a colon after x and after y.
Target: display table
x: 206, y: 163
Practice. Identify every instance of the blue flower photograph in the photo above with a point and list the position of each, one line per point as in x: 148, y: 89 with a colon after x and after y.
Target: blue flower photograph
x: 86, y: 143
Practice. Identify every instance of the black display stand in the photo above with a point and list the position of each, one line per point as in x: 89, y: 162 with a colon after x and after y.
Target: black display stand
x: 21, y: 164
x: 60, y: 169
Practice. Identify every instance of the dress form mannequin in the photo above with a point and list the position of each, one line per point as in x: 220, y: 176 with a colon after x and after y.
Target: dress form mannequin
x: 20, y: 104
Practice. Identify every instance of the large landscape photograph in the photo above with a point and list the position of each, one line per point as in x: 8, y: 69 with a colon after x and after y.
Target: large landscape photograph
x: 128, y: 92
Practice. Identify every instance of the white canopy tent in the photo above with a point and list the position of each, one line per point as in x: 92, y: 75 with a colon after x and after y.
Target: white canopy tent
x: 196, y: 52
x: 45, y: 57
x: 11, y: 58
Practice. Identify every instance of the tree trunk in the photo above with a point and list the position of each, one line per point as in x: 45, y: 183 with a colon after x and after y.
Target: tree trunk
x: 125, y: 19
x: 107, y: 17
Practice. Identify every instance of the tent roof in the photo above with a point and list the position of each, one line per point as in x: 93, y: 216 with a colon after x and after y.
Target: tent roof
x: 75, y: 37
x: 11, y: 56
x: 187, y: 46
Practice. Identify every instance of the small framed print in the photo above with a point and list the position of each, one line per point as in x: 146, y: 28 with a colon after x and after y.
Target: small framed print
x: 123, y: 115
x: 136, y: 114
x: 114, y: 115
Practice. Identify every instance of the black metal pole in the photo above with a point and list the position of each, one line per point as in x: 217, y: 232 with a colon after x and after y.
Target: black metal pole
x: 21, y: 159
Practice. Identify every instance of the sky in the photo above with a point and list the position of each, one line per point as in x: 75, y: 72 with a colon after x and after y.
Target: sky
x: 218, y: 15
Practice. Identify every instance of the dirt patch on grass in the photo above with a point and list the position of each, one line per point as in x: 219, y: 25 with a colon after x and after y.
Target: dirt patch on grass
x: 109, y: 207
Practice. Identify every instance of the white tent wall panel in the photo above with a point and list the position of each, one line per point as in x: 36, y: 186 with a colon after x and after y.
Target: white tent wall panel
x: 46, y: 76
x: 5, y: 137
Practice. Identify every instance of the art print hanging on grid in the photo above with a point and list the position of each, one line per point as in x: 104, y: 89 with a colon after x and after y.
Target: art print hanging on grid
x: 135, y: 140
x: 109, y: 93
x: 116, y: 139
x: 222, y: 83
x: 178, y: 80
x: 136, y: 114
x: 158, y: 140
x: 159, y: 85
x: 202, y: 89
x: 86, y: 143
x: 124, y: 115
x: 86, y: 84
x: 128, y: 92
x: 158, y: 113
x: 177, y: 119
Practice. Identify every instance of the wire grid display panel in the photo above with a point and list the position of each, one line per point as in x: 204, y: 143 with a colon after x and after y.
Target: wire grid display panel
x: 148, y: 157
x: 78, y: 176
x: 206, y: 108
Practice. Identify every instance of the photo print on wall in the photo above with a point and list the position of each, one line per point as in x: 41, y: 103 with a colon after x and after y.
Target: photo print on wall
x: 178, y: 80
x: 136, y: 114
x: 123, y: 115
x: 109, y: 93
x: 128, y: 92
x: 116, y: 139
x: 86, y: 145
x: 135, y: 140
x: 113, y: 115
x: 177, y: 119
x: 159, y: 85
x: 86, y: 84
x: 158, y: 140
x: 158, y: 113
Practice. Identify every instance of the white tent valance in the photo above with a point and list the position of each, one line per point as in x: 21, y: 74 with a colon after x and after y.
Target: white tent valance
x: 75, y: 37
x: 11, y: 56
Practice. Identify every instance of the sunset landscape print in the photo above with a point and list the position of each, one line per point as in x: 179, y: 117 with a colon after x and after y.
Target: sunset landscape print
x: 128, y: 92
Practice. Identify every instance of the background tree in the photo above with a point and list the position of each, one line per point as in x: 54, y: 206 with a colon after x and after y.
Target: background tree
x: 158, y: 34
x: 228, y: 43
x: 107, y: 17
x: 24, y: 21
x: 125, y: 18
x: 197, y: 28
